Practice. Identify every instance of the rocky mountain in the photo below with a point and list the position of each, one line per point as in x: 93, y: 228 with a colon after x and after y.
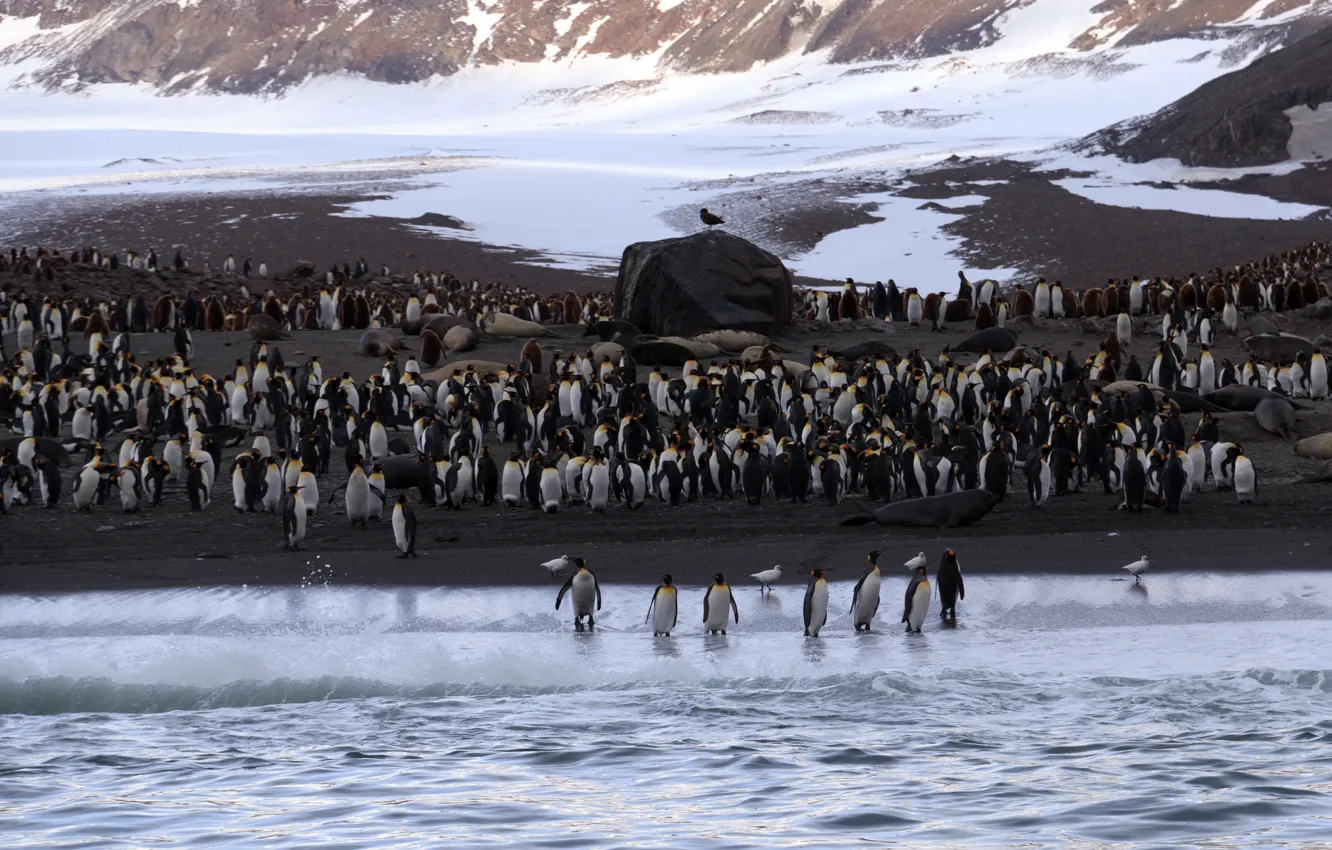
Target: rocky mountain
x: 1240, y: 119
x: 267, y: 46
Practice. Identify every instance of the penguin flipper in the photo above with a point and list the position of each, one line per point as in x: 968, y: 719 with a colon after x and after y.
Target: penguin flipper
x: 734, y: 608
x: 568, y: 583
x: 706, y: 606
x: 652, y: 605
x: 809, y: 605
x: 596, y: 585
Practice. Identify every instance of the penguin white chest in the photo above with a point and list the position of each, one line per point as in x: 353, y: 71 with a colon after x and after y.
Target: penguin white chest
x: 867, y: 602
x: 584, y: 594
x: 920, y: 606
x: 719, y: 608
x: 817, y: 614
x: 664, y: 611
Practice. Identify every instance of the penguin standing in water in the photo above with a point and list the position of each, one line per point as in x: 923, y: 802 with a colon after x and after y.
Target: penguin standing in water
x: 951, y: 587
x: 917, y: 601
x: 716, y: 603
x: 585, y: 591
x: 664, y: 610
x: 865, y: 598
x: 293, y: 518
x: 816, y: 603
x: 404, y: 527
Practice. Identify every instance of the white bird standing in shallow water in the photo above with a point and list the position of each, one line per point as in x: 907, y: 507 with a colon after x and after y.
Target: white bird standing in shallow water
x: 916, y: 562
x: 767, y: 578
x: 1137, y: 568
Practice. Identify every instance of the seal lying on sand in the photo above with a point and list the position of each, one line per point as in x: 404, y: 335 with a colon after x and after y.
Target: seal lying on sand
x: 1318, y: 447
x: 734, y: 342
x: 264, y: 328
x: 1276, y: 416
x: 951, y: 510
x: 868, y: 348
x: 378, y: 342
x: 1238, y: 397
x: 672, y: 350
x: 990, y: 339
x: 1279, y: 347
x: 504, y: 324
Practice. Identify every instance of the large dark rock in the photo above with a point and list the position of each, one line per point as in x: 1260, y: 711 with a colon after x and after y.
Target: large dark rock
x: 1238, y: 119
x: 704, y: 282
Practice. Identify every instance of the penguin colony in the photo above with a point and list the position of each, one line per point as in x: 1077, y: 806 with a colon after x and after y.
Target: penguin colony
x: 589, y: 431
x: 720, y: 608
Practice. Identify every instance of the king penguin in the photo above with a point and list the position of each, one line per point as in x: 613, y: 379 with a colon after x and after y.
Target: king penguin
x: 664, y: 610
x: 716, y: 603
x: 293, y: 518
x: 951, y: 587
x: 585, y: 591
x: 917, y: 601
x: 865, y: 598
x: 816, y: 603
x: 404, y: 527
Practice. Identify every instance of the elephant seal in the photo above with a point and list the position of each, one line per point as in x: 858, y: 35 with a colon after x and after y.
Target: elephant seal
x: 951, y: 510
x: 432, y: 348
x: 1275, y: 416
x: 868, y: 348
x: 1318, y: 448
x: 672, y: 350
x: 441, y: 324
x: 264, y: 328
x: 1322, y: 476
x: 1279, y: 347
x: 733, y: 342
x: 990, y: 339
x: 505, y: 324
x: 613, y: 350
x: 460, y: 338
x: 606, y: 329
x: 1242, y: 398
x: 448, y: 370
x: 378, y: 342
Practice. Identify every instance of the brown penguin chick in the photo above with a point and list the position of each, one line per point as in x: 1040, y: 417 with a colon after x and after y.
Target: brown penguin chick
x: 929, y: 308
x: 310, y: 318
x: 1093, y: 303
x: 1111, y: 305
x: 1114, y: 354
x: 984, y: 317
x: 1217, y: 296
x: 1294, y: 296
x: 1188, y: 296
x: 573, y: 309
x: 1106, y: 373
x: 1310, y: 290
x: 957, y: 310
x: 848, y: 307
x: 427, y: 309
x: 1072, y: 304
x: 1023, y: 304
x: 164, y: 310
x: 532, y: 354
x: 214, y: 316
x: 347, y: 311
x: 362, y: 312
x: 96, y: 324
x: 432, y: 348
x: 273, y: 308
x: 1247, y: 298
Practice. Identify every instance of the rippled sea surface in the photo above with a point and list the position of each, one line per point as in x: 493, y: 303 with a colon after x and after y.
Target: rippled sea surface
x: 1060, y: 712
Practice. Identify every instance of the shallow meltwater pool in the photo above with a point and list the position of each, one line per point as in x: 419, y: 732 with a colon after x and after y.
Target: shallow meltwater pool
x: 1191, y: 711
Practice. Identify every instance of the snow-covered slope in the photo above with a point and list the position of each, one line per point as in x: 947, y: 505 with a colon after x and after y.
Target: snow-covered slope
x: 252, y: 46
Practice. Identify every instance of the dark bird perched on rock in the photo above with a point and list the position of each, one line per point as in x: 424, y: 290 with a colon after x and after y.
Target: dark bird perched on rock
x: 710, y: 218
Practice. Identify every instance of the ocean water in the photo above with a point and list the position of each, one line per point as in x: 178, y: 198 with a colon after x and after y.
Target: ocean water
x: 1195, y: 711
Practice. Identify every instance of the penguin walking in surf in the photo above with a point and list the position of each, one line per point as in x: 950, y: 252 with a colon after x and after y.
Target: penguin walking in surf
x: 584, y: 590
x: 816, y: 603
x: 917, y: 603
x: 664, y: 610
x: 951, y: 586
x: 718, y: 604
x: 294, y: 517
x: 865, y: 598
x: 404, y: 528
